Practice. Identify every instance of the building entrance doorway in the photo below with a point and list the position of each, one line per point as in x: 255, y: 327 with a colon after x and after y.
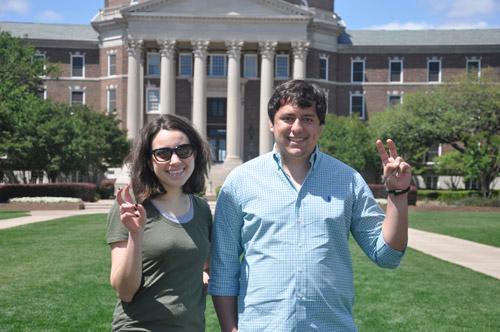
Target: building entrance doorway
x: 216, y: 128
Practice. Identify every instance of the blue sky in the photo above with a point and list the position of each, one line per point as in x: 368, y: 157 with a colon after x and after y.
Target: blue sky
x: 357, y: 14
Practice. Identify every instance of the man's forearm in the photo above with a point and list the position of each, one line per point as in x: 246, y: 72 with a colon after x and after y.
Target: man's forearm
x: 226, y: 309
x: 395, y: 227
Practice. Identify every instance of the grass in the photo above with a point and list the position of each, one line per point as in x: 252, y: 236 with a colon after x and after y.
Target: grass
x: 54, y: 277
x: 12, y: 214
x: 481, y: 227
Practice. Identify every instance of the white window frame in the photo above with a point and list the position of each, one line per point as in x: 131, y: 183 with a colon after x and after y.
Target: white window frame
x: 108, y: 101
x: 210, y: 68
x: 396, y: 60
x: 392, y: 96
x: 44, y: 88
x: 473, y: 59
x: 149, y: 89
x: 246, y: 74
x: 71, y: 96
x: 150, y: 55
x: 282, y: 56
x: 357, y: 94
x: 39, y: 54
x: 109, y: 64
x: 327, y: 66
x: 434, y: 60
x: 439, y: 153
x: 78, y: 55
x: 362, y: 61
x: 190, y: 55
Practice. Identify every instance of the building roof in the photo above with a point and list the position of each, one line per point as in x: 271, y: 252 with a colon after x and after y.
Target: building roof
x: 76, y: 32
x: 84, y: 32
x: 420, y: 37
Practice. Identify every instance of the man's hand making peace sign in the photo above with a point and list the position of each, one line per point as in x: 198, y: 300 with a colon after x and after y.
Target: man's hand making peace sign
x: 397, y: 172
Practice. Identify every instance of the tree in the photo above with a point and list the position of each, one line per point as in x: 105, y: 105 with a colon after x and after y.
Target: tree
x: 464, y: 113
x: 42, y: 136
x: 349, y: 140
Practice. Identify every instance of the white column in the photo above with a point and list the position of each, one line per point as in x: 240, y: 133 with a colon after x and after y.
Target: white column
x: 234, y: 129
x: 167, y: 79
x: 299, y: 59
x: 199, y: 116
x: 134, y: 48
x: 267, y: 50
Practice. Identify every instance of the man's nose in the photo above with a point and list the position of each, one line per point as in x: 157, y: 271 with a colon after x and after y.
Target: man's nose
x: 297, y: 125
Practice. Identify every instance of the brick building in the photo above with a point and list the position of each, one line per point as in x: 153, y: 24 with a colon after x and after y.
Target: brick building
x: 216, y: 62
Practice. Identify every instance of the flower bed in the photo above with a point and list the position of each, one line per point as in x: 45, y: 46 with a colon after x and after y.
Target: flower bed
x: 42, y: 203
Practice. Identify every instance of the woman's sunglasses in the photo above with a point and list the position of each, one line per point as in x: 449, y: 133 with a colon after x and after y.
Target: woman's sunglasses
x: 183, y: 151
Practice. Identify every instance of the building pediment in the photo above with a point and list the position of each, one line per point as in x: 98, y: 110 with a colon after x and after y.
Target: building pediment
x: 216, y: 8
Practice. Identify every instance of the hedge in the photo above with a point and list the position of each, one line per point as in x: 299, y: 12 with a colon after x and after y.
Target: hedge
x: 85, y: 191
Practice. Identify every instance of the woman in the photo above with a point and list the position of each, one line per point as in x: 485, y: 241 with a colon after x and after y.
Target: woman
x: 159, y: 231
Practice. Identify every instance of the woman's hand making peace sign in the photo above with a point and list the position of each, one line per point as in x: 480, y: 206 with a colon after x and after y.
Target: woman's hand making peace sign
x: 397, y: 172
x: 132, y: 216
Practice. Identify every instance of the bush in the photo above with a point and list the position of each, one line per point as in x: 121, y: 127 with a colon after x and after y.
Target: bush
x: 84, y: 191
x: 446, y: 196
x: 106, y: 189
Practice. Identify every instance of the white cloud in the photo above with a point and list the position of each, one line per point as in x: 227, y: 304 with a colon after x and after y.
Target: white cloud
x: 402, y: 26
x: 424, y: 26
x: 464, y: 8
x: 49, y: 16
x: 19, y: 7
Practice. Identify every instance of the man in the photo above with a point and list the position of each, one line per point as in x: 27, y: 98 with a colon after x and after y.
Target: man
x: 280, y: 250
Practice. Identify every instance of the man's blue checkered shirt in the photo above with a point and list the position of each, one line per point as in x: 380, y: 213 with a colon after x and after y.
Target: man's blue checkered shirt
x: 285, y: 253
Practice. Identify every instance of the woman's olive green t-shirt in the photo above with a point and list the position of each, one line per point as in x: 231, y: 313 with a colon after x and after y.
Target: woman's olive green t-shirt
x: 171, y: 296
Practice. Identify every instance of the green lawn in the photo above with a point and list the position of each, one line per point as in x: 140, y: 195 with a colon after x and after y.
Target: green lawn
x: 12, y: 214
x: 482, y: 227
x: 54, y: 277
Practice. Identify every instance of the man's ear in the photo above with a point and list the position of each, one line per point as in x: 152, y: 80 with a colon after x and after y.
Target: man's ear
x: 271, y: 126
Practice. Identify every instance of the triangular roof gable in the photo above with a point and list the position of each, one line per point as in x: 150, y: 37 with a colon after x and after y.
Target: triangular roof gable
x: 221, y: 8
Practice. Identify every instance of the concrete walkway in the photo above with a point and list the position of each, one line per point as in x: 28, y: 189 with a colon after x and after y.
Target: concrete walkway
x: 478, y: 257
x: 475, y: 256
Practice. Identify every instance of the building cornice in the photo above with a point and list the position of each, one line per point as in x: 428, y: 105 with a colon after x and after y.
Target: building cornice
x: 214, y: 19
x: 418, y: 49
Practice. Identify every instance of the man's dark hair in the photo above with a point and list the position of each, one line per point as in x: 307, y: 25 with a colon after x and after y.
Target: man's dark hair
x: 145, y: 184
x: 298, y: 93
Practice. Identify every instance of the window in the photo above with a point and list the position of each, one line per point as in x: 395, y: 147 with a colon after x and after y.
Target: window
x: 154, y: 64
x: 282, y: 70
x: 394, y: 100
x: 474, y: 68
x: 358, y: 71
x: 216, y: 65
x: 185, y: 65
x: 396, y: 71
x: 250, y: 65
x: 111, y: 64
x: 434, y: 70
x: 42, y: 92
x: 153, y: 100
x: 41, y: 57
x: 112, y: 100
x: 216, y: 107
x: 77, y: 98
x: 432, y: 152
x: 357, y: 106
x: 77, y: 65
x: 323, y: 68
